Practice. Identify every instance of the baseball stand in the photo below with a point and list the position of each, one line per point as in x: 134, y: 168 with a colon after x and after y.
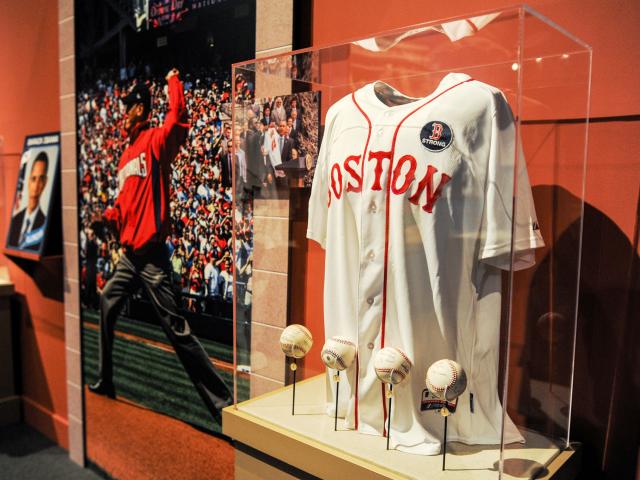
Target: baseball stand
x: 335, y: 420
x: 444, y: 447
x: 390, y: 395
x: 445, y: 412
x: 294, y: 366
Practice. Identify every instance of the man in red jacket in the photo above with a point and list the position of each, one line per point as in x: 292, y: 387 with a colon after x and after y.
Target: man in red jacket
x: 141, y: 218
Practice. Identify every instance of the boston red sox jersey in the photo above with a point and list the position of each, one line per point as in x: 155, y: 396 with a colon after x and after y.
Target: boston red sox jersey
x: 413, y: 204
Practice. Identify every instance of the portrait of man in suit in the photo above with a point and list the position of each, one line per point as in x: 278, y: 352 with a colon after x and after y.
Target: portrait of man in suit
x: 284, y: 142
x: 27, y: 226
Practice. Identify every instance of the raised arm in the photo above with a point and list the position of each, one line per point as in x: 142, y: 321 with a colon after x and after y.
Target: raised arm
x: 177, y: 109
x: 173, y: 131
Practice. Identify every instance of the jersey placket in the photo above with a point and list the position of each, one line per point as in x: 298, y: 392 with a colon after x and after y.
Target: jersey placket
x: 370, y: 285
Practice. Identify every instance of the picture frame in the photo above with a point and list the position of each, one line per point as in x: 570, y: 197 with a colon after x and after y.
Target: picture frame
x: 36, y: 190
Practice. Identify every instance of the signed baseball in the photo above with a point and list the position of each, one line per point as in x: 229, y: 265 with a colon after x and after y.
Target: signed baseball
x: 338, y: 353
x: 391, y: 365
x: 446, y: 379
x: 296, y: 341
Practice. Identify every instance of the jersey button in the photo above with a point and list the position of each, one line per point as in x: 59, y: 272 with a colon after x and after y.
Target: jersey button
x: 380, y: 132
x: 370, y: 346
x: 371, y: 255
x: 373, y: 208
x: 370, y: 301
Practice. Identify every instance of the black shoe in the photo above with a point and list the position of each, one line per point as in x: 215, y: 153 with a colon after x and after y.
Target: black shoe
x: 217, y: 412
x: 217, y: 416
x: 102, y: 387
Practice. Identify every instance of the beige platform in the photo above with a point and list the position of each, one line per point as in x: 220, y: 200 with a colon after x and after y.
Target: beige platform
x: 308, y: 442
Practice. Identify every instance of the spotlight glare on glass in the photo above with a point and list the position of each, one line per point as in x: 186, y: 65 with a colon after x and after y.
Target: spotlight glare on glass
x: 515, y: 67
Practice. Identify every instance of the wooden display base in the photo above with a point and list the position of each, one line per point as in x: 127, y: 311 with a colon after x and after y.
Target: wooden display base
x: 272, y: 440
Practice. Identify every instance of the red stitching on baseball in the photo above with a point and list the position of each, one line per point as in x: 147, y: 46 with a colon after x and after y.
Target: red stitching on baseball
x: 387, y: 370
x: 292, y: 346
x: 436, y: 389
x: 304, y: 331
x: 404, y: 356
x: 391, y: 372
x: 454, y: 372
x: 336, y: 356
x: 454, y: 379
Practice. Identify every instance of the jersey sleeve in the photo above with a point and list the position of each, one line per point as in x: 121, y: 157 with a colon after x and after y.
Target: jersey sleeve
x: 319, y: 200
x: 173, y: 132
x: 498, y: 218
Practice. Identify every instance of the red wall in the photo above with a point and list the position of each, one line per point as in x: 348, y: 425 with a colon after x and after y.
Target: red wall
x: 29, y: 96
x: 605, y: 412
x: 611, y: 28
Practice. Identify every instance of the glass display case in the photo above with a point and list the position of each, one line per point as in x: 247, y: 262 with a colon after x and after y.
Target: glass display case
x: 401, y: 195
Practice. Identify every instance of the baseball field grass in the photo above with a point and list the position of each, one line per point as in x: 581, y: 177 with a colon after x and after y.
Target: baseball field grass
x: 148, y: 373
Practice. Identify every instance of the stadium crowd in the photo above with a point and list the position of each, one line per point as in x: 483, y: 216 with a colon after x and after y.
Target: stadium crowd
x: 201, y: 195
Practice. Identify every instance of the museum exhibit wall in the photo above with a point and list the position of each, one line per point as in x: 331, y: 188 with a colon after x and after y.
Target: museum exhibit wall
x: 604, y: 413
x: 30, y: 99
x: 33, y: 100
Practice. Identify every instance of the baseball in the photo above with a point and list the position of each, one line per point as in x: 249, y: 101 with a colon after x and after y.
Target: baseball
x: 296, y: 341
x: 391, y: 365
x: 338, y: 353
x: 446, y: 379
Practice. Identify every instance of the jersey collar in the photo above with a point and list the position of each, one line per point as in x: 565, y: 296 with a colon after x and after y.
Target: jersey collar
x: 367, y: 94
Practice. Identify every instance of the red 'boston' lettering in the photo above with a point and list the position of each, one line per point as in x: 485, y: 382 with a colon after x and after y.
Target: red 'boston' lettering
x: 432, y: 196
x: 409, y: 176
x: 379, y: 157
x: 336, y: 184
x: 354, y: 174
x: 402, y: 178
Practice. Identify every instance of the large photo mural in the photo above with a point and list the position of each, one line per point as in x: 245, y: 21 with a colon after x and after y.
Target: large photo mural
x: 155, y: 220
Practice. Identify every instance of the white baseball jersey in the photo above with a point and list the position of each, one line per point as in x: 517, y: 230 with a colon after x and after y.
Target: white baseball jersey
x: 413, y: 204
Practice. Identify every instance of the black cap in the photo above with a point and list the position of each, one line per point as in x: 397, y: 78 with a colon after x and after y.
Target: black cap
x: 138, y: 94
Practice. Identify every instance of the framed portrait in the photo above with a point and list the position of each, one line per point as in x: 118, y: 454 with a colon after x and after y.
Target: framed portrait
x: 278, y: 142
x: 35, y: 187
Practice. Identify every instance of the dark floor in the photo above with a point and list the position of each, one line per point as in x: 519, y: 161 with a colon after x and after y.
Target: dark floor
x: 27, y: 454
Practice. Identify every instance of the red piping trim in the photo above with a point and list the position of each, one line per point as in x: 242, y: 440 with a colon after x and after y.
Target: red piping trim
x: 362, y: 160
x: 366, y: 145
x: 386, y: 233
x: 472, y: 25
x: 386, y: 228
